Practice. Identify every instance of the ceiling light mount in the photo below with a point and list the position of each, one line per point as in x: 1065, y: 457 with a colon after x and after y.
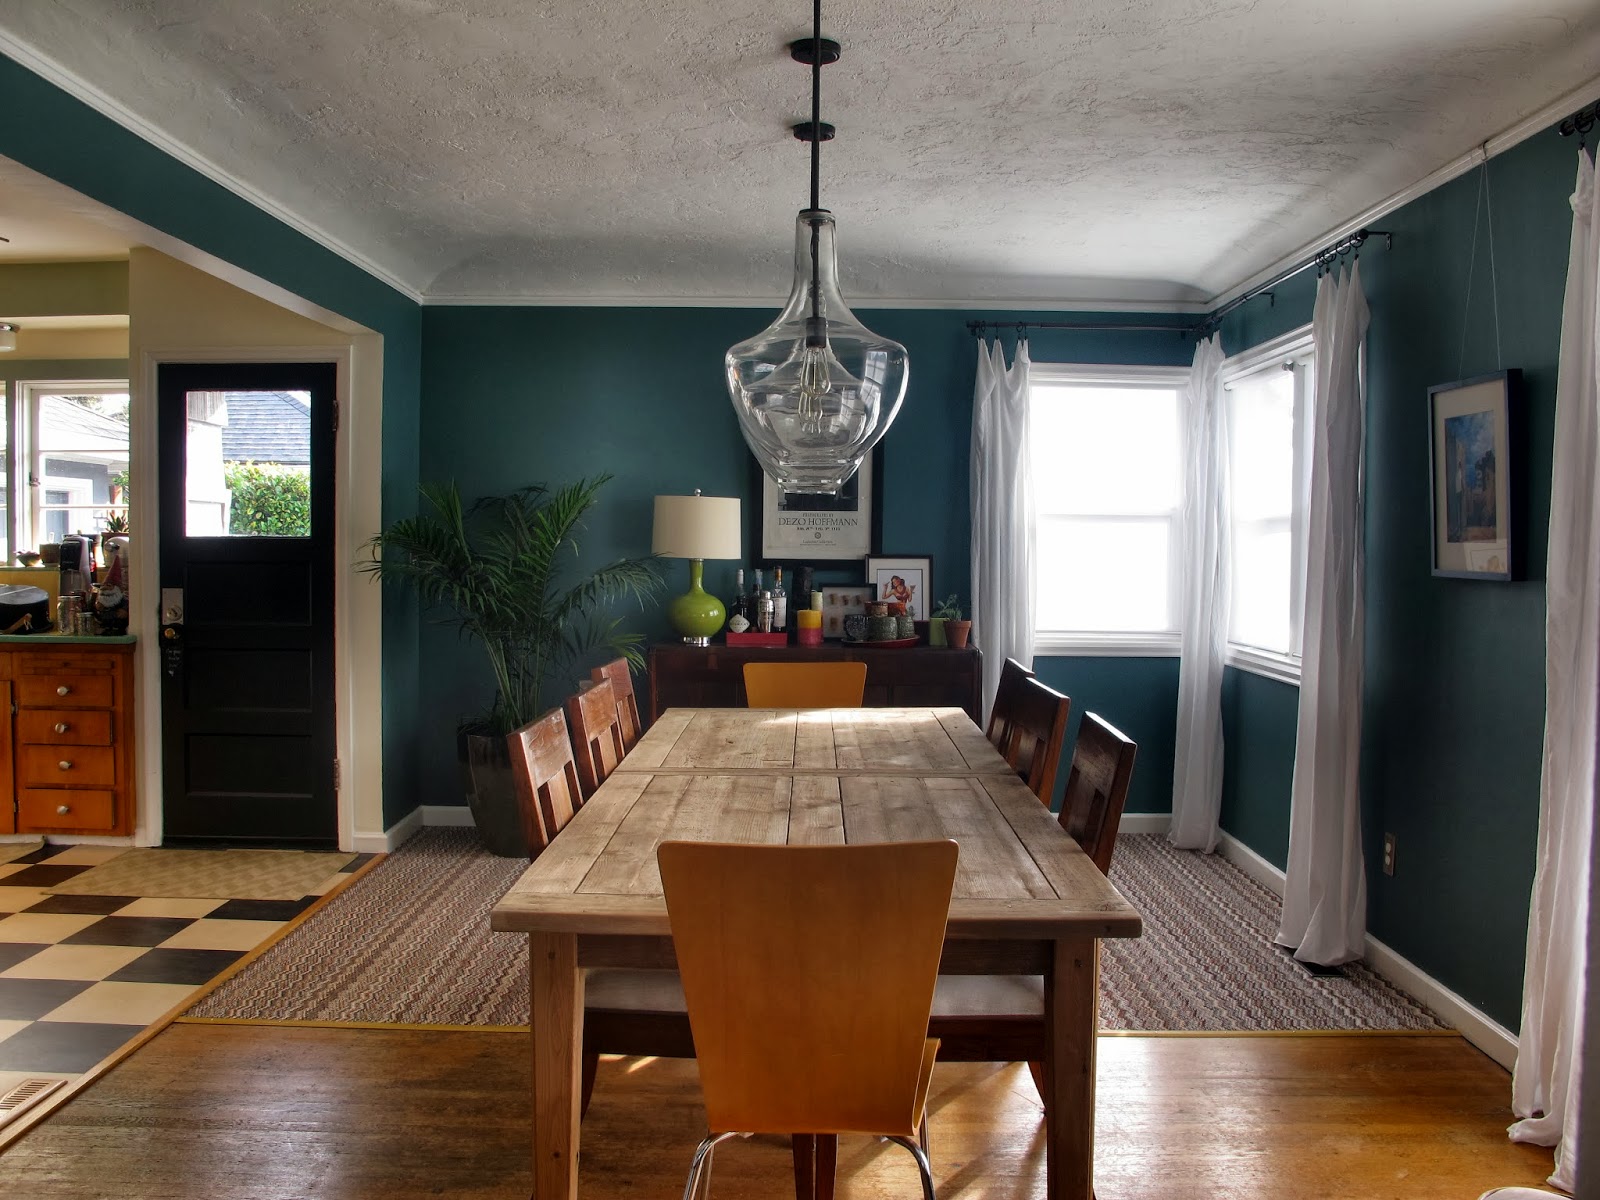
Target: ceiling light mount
x: 803, y: 130
x: 804, y: 50
x: 8, y: 335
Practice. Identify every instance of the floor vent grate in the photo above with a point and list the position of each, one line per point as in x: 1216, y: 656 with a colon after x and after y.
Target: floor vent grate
x: 26, y: 1093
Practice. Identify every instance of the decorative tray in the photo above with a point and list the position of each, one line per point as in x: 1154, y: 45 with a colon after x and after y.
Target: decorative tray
x: 891, y: 644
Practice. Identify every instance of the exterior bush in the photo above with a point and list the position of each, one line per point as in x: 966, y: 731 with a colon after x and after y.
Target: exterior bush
x: 269, y: 499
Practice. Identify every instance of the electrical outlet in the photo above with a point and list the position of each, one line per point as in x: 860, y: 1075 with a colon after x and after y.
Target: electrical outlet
x: 1388, y: 854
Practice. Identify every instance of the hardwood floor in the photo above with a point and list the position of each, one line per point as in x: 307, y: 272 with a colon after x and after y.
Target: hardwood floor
x: 263, y: 1113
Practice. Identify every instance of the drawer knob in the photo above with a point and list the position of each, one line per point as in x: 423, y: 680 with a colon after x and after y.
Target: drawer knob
x: 63, y: 690
x: 63, y: 809
x: 62, y: 727
x: 65, y: 764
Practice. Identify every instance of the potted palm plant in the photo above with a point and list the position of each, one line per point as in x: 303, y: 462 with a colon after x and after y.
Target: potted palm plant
x: 497, y: 572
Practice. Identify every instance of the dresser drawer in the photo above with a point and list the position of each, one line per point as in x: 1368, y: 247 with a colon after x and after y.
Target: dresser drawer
x: 66, y: 766
x: 64, y: 727
x: 64, y: 691
x: 40, y: 809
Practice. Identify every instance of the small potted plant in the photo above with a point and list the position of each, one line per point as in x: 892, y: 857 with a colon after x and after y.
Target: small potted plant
x: 943, y: 623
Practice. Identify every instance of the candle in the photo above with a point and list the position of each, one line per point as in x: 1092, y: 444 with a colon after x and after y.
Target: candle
x: 816, y: 601
x: 808, y: 618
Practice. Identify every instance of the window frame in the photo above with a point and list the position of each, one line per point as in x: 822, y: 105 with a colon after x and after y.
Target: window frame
x: 25, y: 461
x: 1114, y: 644
x: 1293, y: 351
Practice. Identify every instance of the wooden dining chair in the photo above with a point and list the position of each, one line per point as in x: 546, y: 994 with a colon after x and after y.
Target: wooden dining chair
x: 809, y: 975
x: 545, y: 776
x: 804, y: 684
x: 1038, y: 726
x: 1097, y: 788
x: 620, y: 676
x: 1012, y: 675
x: 596, y: 735
x: 1000, y: 1018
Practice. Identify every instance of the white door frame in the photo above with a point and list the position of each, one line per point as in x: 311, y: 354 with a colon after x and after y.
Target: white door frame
x: 358, y: 609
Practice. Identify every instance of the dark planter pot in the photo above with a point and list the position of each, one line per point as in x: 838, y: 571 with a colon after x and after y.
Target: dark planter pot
x: 491, y: 792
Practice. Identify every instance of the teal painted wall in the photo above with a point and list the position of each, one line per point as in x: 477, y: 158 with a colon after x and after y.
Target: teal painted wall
x: 1258, y: 724
x: 520, y: 395
x: 66, y: 140
x: 1454, y: 696
x: 1137, y: 695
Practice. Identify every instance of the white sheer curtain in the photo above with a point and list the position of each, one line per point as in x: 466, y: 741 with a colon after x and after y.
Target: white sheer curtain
x: 1203, y: 619
x: 1002, y: 514
x: 1545, y: 1087
x: 1325, y: 889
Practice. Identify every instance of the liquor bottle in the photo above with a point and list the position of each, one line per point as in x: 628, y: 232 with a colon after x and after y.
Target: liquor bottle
x: 740, y: 606
x: 755, y: 596
x: 780, y: 602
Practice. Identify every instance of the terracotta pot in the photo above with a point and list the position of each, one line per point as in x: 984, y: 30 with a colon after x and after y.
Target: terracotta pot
x: 958, y: 632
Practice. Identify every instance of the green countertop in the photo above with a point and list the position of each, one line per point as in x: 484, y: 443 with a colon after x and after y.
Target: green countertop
x: 69, y: 639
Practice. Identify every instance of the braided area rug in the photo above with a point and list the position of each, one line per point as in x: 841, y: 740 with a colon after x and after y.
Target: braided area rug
x: 409, y: 943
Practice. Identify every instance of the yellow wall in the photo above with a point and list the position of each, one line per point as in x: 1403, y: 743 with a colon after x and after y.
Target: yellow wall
x: 172, y: 306
x: 56, y: 344
x: 63, y: 289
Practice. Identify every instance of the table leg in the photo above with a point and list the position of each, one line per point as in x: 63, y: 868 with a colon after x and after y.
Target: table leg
x: 556, y: 1015
x: 1071, y: 1007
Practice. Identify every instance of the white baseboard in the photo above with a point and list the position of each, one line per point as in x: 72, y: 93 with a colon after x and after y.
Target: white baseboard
x: 391, y: 838
x: 1145, y: 822
x: 446, y: 814
x: 1482, y: 1030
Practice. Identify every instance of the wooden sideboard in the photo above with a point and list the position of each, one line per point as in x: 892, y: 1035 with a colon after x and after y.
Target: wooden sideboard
x: 908, y: 677
x: 66, y: 737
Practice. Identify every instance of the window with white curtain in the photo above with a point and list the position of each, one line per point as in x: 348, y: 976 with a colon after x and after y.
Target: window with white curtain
x: 1269, y: 403
x: 1107, y: 485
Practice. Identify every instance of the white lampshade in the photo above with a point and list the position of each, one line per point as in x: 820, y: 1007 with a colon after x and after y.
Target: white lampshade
x: 8, y: 336
x: 697, y: 527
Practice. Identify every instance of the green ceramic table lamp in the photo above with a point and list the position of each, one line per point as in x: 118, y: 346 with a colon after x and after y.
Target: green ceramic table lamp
x: 697, y: 528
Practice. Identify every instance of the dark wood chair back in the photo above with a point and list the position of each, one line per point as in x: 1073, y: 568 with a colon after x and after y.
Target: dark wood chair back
x: 1033, y: 743
x: 1097, y: 788
x: 546, y: 777
x: 1012, y: 675
x: 618, y: 674
x: 596, y: 735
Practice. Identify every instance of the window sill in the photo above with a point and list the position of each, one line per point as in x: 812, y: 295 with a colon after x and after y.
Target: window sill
x: 1106, y: 645
x: 1282, y: 667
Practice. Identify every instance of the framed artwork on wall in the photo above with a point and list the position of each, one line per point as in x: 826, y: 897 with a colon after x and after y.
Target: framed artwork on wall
x: 841, y: 602
x: 799, y: 528
x: 906, y: 580
x: 1472, y: 448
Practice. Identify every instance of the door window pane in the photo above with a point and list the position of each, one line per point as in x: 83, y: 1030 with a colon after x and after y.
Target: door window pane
x: 248, y: 464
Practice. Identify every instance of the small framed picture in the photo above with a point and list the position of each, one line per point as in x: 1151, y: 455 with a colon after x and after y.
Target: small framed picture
x: 839, y: 603
x: 1471, y: 442
x: 907, y: 581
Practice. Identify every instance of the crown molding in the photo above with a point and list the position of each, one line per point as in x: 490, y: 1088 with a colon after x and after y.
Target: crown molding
x: 775, y: 301
x: 87, y: 93
x: 1534, y: 123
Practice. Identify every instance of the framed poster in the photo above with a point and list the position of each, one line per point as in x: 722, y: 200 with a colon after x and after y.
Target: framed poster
x: 839, y: 603
x: 799, y: 528
x: 1471, y: 448
x: 908, y: 581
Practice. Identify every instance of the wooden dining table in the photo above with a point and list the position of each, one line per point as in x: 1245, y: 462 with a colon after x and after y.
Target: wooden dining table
x: 1027, y: 900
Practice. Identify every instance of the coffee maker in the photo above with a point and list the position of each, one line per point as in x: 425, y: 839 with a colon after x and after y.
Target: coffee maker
x: 77, y: 565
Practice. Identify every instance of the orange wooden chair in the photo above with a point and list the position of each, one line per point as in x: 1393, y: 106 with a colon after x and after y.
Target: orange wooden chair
x: 1038, y: 726
x: 620, y: 676
x: 1000, y: 1018
x: 596, y: 734
x: 1012, y: 676
x: 546, y: 777
x: 809, y: 975
x: 804, y: 684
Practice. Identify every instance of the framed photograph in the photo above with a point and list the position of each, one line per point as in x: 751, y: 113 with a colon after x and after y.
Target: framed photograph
x: 1471, y: 445
x: 798, y: 528
x: 906, y: 580
x: 839, y: 603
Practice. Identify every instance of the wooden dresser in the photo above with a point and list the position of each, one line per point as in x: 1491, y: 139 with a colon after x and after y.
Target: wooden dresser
x: 910, y: 677
x: 66, y: 741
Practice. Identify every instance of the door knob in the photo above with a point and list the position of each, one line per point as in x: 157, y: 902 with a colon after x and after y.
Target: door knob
x: 63, y: 690
x: 63, y: 809
x: 62, y: 727
x: 65, y: 764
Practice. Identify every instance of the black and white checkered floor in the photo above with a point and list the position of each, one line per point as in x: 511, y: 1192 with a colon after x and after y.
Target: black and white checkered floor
x: 80, y: 976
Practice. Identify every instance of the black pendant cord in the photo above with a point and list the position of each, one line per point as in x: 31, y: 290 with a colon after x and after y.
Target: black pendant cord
x: 814, y: 334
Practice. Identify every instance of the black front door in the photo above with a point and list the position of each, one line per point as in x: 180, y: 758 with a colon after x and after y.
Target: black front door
x: 246, y: 498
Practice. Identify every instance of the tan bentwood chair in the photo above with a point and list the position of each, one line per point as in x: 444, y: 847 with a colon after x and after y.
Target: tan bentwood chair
x: 1012, y: 675
x: 620, y: 677
x: 804, y: 684
x: 545, y: 776
x: 596, y: 735
x: 809, y: 975
x: 1038, y: 726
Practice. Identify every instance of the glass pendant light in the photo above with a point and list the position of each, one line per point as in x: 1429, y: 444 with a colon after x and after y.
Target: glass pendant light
x: 816, y: 389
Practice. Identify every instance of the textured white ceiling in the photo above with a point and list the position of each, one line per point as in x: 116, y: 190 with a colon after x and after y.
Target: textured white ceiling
x: 1016, y: 150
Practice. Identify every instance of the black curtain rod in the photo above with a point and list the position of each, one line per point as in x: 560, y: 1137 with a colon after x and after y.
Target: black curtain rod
x: 1581, y: 122
x: 1322, y: 260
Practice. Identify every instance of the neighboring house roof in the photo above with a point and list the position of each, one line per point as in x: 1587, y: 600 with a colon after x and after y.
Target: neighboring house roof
x: 69, y: 426
x: 270, y: 427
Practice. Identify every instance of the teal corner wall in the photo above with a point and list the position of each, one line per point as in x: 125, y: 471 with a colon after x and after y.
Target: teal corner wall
x: 64, y: 139
x: 1453, y: 704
